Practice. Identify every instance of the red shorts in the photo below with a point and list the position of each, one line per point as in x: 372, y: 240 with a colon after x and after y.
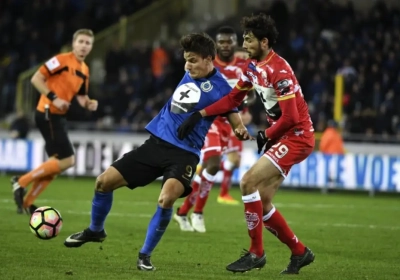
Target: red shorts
x: 216, y: 140
x: 234, y: 145
x: 290, y: 150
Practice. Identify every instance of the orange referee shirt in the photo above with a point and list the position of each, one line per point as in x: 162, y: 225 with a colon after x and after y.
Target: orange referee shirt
x: 331, y: 142
x: 66, y: 76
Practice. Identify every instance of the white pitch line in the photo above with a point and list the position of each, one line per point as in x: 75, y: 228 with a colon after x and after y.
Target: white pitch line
x: 344, y: 225
x: 278, y: 204
x: 140, y: 215
x: 89, y: 201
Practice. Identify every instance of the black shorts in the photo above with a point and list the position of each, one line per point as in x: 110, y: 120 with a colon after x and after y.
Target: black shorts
x: 156, y: 158
x: 54, y: 132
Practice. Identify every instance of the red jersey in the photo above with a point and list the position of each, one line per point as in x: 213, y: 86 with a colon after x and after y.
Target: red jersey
x: 280, y: 92
x: 231, y: 71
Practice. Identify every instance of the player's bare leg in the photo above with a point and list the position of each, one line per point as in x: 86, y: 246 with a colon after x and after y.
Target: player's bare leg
x: 275, y: 223
x: 49, y: 169
x: 231, y: 163
x: 199, y: 198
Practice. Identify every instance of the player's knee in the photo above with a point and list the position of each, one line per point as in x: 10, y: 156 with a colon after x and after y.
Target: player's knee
x: 236, y: 162
x: 166, y: 200
x: 213, y: 165
x: 66, y: 163
x: 234, y: 159
x: 247, y: 185
x: 170, y: 192
x: 103, y: 183
x: 212, y: 169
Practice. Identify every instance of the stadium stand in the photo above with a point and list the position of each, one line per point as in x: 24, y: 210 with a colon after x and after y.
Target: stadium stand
x: 363, y: 47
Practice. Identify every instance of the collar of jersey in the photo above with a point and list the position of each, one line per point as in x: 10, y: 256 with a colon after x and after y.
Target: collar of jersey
x: 212, y: 73
x: 267, y: 59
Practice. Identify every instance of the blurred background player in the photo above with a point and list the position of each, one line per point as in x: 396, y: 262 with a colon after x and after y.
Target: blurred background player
x: 230, y: 62
x: 220, y: 138
x: 292, y: 131
x: 58, y: 81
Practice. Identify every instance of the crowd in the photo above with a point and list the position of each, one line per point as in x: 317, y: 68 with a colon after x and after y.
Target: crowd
x: 320, y: 39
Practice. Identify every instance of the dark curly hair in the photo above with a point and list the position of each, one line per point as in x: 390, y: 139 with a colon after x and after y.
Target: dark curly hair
x: 226, y: 30
x: 262, y: 26
x: 199, y: 43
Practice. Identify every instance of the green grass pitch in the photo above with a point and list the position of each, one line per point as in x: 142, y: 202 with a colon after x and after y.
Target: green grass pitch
x: 353, y: 236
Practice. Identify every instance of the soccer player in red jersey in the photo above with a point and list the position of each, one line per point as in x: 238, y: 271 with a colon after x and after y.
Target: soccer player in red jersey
x: 288, y: 141
x: 220, y: 138
x: 230, y: 66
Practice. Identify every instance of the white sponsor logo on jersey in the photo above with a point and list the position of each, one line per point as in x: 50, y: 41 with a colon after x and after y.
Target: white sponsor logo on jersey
x: 185, y: 97
x: 52, y: 63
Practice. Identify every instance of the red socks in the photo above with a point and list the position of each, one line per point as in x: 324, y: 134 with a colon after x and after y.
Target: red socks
x: 253, y: 213
x: 227, y: 167
x: 198, y: 197
x: 276, y: 224
x: 190, y: 200
x: 207, y: 181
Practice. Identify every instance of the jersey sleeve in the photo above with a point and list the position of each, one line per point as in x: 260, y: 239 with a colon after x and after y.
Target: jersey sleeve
x: 53, y: 66
x: 283, y: 84
x: 232, y: 100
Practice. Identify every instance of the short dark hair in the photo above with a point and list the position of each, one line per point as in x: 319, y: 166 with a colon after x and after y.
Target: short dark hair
x: 199, y: 43
x: 262, y: 26
x: 226, y: 30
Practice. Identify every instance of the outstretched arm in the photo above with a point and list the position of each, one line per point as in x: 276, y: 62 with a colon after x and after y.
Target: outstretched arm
x: 230, y: 101
x: 238, y: 127
x: 234, y: 120
x: 222, y: 106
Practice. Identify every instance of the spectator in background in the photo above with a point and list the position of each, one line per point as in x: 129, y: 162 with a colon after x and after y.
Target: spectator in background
x: 331, y: 141
x: 331, y: 144
x: 20, y: 126
x: 159, y: 64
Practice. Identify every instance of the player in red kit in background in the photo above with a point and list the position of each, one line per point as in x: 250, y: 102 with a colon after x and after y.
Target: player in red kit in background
x: 231, y: 66
x: 218, y: 140
x: 288, y: 141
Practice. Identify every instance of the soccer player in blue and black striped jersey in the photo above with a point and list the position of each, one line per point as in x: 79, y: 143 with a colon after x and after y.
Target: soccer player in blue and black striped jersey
x: 164, y: 154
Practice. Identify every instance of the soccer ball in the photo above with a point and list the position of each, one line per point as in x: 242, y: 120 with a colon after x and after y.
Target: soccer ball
x: 46, y: 222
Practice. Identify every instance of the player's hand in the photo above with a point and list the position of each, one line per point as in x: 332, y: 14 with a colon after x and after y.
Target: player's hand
x: 188, y: 125
x: 61, y: 104
x: 92, y: 104
x: 261, y: 141
x: 242, y: 134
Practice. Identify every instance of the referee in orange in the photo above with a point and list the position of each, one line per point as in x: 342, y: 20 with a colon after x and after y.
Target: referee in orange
x: 59, y: 80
